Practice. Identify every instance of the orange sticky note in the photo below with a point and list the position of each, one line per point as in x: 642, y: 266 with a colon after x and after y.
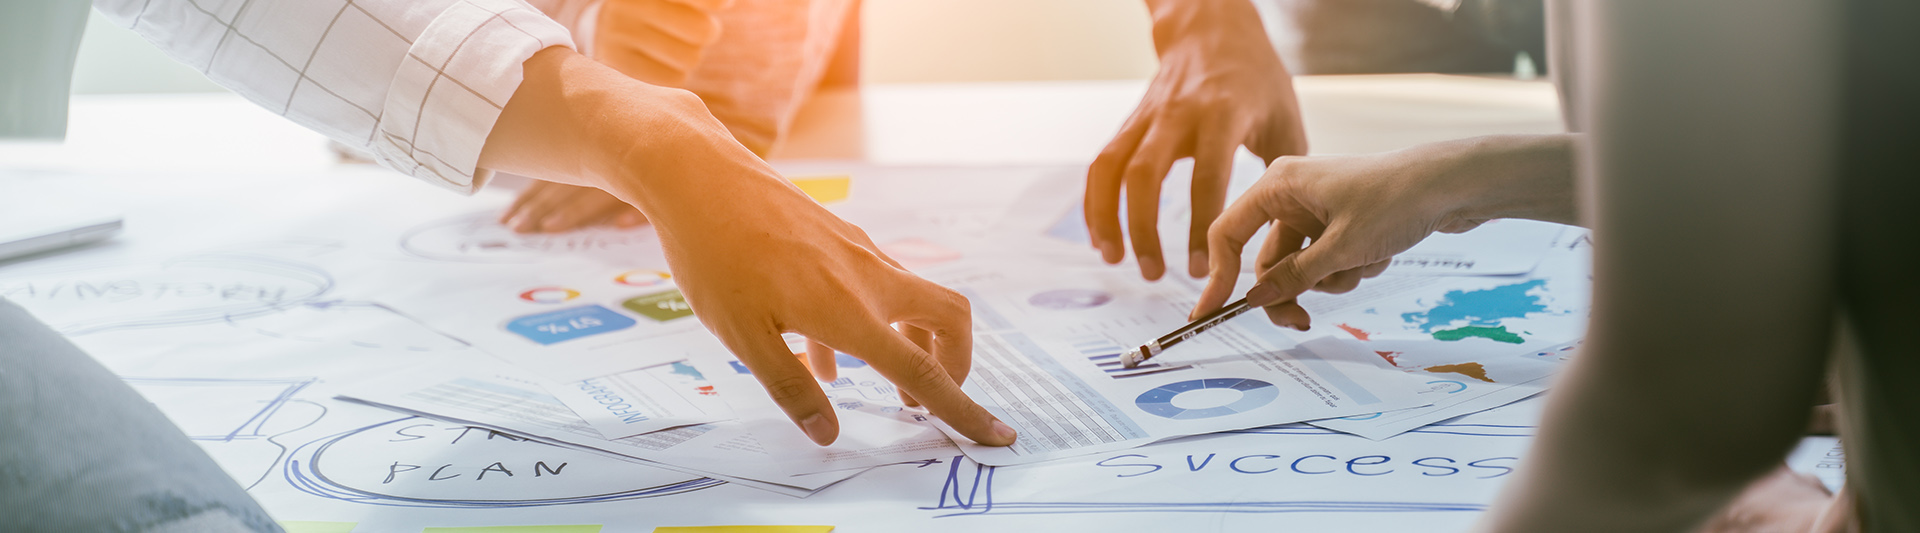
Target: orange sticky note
x: 824, y: 189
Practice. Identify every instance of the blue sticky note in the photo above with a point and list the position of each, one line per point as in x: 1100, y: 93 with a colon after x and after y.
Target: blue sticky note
x: 567, y: 324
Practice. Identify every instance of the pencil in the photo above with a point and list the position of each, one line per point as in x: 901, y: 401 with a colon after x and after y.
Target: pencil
x: 1134, y: 357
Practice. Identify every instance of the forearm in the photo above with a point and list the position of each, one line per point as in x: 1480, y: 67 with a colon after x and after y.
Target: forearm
x: 1501, y: 176
x: 576, y: 121
x: 1231, y: 22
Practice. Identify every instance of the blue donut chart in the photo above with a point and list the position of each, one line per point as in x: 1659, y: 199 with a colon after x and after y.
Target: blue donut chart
x: 1253, y: 394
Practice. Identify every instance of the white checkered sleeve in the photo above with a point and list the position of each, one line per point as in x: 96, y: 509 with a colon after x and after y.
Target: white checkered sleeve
x: 417, y: 83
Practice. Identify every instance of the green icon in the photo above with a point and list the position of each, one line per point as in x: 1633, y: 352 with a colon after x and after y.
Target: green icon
x: 660, y: 306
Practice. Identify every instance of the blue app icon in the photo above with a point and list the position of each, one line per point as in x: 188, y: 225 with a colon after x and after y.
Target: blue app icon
x: 567, y: 324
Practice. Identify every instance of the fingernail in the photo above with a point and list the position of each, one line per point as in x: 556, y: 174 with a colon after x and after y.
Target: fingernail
x: 1004, y: 432
x: 1108, y: 253
x: 1151, y: 267
x: 818, y: 429
x: 1263, y: 294
x: 1197, y: 264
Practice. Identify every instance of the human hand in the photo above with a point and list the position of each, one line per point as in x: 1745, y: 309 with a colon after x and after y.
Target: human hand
x: 1358, y: 211
x: 657, y: 42
x: 754, y: 256
x: 548, y: 207
x: 1783, y: 500
x: 1220, y: 86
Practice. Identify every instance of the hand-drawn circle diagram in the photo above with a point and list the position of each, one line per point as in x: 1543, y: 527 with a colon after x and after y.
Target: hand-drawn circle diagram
x: 421, y: 462
x: 480, y: 238
x: 1206, y: 398
x: 194, y: 289
x: 1070, y: 299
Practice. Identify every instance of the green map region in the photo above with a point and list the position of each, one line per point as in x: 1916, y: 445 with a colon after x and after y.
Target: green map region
x: 1481, y: 310
x: 1496, y: 334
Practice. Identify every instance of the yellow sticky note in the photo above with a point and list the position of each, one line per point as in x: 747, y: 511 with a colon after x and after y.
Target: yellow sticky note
x: 745, y: 529
x: 516, y: 529
x: 304, y: 526
x: 824, y: 189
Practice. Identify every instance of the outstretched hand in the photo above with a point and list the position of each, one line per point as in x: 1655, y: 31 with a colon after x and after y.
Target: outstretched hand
x: 779, y: 263
x: 754, y: 256
x: 1221, y: 85
x: 1339, y: 219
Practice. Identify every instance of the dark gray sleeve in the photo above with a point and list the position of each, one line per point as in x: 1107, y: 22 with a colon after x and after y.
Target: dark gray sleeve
x: 81, y: 451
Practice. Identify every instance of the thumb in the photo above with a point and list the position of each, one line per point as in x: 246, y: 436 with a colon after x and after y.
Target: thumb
x: 1297, y: 272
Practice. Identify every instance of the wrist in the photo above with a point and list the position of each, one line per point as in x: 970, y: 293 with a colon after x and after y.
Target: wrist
x: 547, y: 129
x: 1232, y: 25
x: 576, y: 121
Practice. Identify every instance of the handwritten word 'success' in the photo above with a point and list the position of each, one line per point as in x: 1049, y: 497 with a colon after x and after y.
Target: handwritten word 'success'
x: 1135, y: 465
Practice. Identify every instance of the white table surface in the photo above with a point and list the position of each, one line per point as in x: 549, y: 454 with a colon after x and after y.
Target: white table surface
x: 199, y: 172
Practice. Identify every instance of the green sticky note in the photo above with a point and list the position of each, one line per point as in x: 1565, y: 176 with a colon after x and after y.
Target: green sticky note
x: 515, y: 529
x: 745, y: 529
x: 660, y: 306
x: 304, y: 526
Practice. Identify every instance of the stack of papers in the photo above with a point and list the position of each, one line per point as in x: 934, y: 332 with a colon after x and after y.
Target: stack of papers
x: 591, y: 345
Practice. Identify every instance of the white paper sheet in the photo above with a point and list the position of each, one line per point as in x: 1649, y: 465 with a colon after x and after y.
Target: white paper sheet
x: 643, y: 401
x: 1046, y: 361
x: 501, y: 396
x: 1546, y: 306
x: 307, y: 456
x: 1462, y: 380
x: 876, y: 428
x: 565, y: 320
x: 1497, y: 247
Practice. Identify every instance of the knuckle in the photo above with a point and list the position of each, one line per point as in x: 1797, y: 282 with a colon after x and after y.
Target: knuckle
x: 957, y: 304
x: 789, y: 388
x: 1219, y: 236
x: 1284, y: 167
x: 1291, y: 273
x: 923, y: 371
x: 1140, y: 174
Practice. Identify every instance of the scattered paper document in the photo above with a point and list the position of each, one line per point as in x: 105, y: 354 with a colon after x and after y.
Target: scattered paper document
x: 563, y: 320
x: 1462, y: 379
x: 498, y: 395
x: 1497, y: 247
x: 643, y: 401
x: 1046, y: 361
x: 876, y: 428
x: 1490, y: 311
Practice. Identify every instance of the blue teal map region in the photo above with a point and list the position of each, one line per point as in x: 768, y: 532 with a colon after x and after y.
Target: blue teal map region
x: 1482, y: 310
x: 684, y: 369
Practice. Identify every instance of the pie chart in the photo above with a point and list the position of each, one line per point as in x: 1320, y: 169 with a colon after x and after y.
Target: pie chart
x: 549, y: 295
x: 1206, y: 398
